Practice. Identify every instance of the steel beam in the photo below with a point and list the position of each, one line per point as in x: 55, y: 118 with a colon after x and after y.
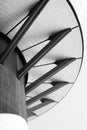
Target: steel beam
x: 41, y: 105
x: 54, y: 40
x: 34, y: 12
x: 62, y: 64
x: 30, y: 114
x: 46, y: 93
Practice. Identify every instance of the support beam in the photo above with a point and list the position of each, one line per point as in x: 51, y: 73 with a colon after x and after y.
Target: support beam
x: 55, y: 39
x: 41, y: 105
x: 62, y: 64
x: 46, y: 93
x: 33, y: 14
x: 31, y: 114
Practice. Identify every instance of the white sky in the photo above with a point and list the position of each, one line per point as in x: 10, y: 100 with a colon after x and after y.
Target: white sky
x: 71, y: 113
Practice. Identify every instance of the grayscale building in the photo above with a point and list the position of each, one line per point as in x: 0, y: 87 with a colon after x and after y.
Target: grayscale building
x: 41, y: 53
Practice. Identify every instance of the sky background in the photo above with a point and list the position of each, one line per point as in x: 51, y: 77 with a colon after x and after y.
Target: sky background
x: 71, y: 112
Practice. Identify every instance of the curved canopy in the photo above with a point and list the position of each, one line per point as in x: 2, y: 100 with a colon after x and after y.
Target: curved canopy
x: 52, y: 76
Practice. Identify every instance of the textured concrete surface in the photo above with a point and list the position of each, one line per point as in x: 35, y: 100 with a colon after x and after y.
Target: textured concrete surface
x: 12, y: 94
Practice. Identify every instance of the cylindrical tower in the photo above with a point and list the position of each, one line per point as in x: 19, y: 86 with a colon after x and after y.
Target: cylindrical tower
x: 41, y: 53
x: 12, y: 91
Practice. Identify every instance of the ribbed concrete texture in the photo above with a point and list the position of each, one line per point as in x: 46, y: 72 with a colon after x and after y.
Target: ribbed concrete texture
x: 12, y: 95
x: 12, y: 91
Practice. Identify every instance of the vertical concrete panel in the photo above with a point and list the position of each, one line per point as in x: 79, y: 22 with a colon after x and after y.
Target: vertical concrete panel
x: 12, y: 94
